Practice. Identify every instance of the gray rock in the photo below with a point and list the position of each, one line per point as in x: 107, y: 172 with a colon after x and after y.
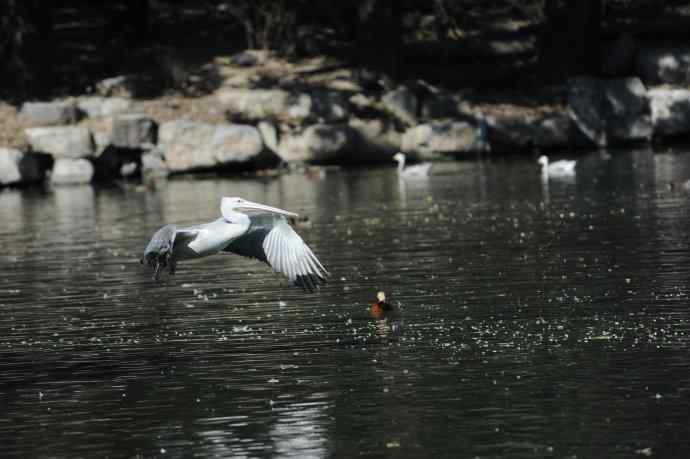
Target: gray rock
x: 377, y: 139
x: 102, y: 140
x: 659, y: 64
x: 190, y: 145
x: 134, y: 130
x: 329, y: 106
x: 19, y: 167
x: 257, y: 104
x: 127, y: 86
x: 362, y: 103
x: 69, y: 171
x: 98, y: 107
x: 443, y: 137
x: 261, y: 104
x: 446, y: 105
x: 618, y: 56
x: 610, y: 111
x: 153, y: 165
x: 61, y: 141
x: 269, y: 134
x: 49, y: 113
x: 401, y: 103
x: 670, y: 111
x: 518, y: 131
x: 319, y: 143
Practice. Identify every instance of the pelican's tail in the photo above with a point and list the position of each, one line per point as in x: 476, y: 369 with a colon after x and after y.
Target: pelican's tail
x: 159, y: 251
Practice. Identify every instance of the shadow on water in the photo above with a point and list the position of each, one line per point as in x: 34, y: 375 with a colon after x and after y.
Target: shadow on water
x: 539, y: 321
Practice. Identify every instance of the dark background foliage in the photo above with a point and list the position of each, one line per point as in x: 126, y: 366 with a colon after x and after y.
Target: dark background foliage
x: 52, y: 47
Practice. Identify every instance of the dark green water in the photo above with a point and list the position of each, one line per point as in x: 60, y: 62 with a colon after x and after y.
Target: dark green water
x: 539, y: 321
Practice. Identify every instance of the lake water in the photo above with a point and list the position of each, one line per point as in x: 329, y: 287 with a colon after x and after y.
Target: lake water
x: 539, y: 320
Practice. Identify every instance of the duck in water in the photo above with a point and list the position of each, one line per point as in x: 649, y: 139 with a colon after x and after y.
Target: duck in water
x: 383, y: 310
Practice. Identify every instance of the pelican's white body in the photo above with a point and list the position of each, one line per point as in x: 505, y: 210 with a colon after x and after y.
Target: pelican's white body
x: 270, y: 240
x: 209, y: 238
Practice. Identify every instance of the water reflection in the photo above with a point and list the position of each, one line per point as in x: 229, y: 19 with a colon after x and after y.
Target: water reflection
x: 537, y: 322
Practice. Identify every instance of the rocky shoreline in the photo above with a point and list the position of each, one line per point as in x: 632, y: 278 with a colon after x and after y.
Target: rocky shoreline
x: 266, y: 113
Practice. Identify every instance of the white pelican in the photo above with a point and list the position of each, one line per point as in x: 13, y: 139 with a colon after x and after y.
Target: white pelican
x: 264, y: 234
x: 563, y: 168
x: 417, y: 170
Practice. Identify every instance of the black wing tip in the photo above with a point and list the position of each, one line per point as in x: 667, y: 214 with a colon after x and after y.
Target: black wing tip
x: 310, y: 283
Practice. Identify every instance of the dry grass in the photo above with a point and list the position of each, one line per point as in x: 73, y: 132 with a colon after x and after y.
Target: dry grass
x: 11, y: 127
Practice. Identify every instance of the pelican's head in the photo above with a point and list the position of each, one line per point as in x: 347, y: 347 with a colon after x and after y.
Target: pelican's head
x: 381, y: 296
x: 229, y: 205
x: 543, y: 160
x: 399, y: 157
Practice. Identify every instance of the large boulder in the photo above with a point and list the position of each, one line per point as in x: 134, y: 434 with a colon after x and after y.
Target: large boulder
x: 269, y: 135
x: 257, y: 104
x: 61, y: 141
x: 670, y: 111
x: 134, y: 130
x: 69, y: 171
x: 444, y: 137
x: 512, y: 131
x: 402, y: 103
x: 447, y: 105
x: 18, y: 167
x: 98, y: 107
x: 319, y: 143
x: 260, y: 104
x: 49, y: 113
x: 610, y: 111
x: 329, y: 106
x: 190, y: 145
x: 663, y: 64
x: 378, y: 140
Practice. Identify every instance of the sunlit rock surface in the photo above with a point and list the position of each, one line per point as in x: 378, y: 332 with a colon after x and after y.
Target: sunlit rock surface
x: 134, y: 130
x: 61, y: 141
x: 444, y: 137
x: 260, y: 104
x: 670, y: 111
x: 319, y: 142
x: 190, y: 145
x: 96, y: 107
x: 402, y: 103
x: 256, y: 104
x: 49, y: 113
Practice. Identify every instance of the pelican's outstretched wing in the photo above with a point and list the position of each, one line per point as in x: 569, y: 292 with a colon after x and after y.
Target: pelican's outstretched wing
x: 272, y: 240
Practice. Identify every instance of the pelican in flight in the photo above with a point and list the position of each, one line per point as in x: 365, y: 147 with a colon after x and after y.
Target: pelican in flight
x: 417, y: 170
x: 245, y: 228
x: 557, y: 169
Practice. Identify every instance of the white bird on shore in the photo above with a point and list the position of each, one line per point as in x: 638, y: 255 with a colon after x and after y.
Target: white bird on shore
x: 416, y: 170
x: 245, y: 228
x: 557, y: 169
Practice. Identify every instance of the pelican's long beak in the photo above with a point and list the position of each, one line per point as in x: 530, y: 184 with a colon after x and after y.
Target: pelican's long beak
x: 248, y: 205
